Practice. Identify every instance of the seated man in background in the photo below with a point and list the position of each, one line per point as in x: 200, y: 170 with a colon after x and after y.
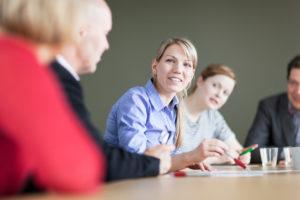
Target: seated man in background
x: 82, y: 58
x: 277, y: 121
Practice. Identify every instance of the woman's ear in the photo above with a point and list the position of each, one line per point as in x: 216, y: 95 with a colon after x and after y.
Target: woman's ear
x: 200, y: 80
x: 153, y: 67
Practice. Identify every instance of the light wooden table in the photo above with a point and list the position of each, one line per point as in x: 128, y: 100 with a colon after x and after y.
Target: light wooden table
x: 271, y: 186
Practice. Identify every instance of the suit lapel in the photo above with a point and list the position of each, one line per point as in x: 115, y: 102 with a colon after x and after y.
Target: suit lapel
x: 67, y: 79
x: 288, y: 127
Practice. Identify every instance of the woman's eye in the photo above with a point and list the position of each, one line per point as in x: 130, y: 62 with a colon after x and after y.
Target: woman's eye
x: 214, y: 85
x: 187, y: 65
x: 170, y: 60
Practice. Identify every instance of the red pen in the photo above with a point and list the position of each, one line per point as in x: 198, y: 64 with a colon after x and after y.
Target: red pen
x: 240, y: 163
x: 237, y: 161
x: 179, y: 174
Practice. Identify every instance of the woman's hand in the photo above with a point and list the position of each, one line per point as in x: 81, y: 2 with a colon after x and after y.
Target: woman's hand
x: 208, y: 148
x: 245, y: 158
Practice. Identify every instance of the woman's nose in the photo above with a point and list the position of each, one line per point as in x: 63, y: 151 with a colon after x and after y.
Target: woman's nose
x: 218, y: 93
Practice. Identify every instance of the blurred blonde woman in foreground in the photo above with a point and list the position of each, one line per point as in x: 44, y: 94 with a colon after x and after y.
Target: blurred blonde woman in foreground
x: 41, y: 142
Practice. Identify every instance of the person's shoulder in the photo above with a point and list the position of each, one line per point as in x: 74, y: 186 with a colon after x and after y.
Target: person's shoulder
x: 135, y: 95
x: 209, y: 112
x: 274, y: 100
x: 136, y: 92
x: 213, y: 114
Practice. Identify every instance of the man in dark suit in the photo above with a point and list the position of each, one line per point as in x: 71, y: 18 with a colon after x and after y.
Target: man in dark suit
x: 91, y: 44
x: 277, y: 121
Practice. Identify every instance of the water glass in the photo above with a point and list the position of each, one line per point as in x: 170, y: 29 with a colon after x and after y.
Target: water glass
x: 268, y: 156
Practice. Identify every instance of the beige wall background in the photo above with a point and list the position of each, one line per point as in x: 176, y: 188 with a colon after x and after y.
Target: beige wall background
x: 256, y: 38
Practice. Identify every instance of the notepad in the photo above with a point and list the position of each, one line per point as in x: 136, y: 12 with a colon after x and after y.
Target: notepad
x: 244, y: 173
x: 228, y: 173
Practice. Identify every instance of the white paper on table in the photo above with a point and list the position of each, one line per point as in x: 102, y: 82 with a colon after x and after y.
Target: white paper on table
x: 245, y: 173
x: 239, y: 173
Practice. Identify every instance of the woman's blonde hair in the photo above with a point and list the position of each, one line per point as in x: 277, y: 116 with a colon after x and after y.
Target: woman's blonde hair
x: 184, y: 43
x: 212, y: 70
x: 53, y: 22
x: 191, y: 53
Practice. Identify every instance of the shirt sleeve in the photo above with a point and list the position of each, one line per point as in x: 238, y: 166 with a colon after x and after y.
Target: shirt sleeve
x: 123, y: 165
x: 223, y: 131
x: 34, y: 115
x: 131, y: 122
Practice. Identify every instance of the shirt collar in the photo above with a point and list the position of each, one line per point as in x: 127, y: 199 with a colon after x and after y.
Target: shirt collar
x: 292, y: 110
x: 61, y: 60
x: 155, y: 98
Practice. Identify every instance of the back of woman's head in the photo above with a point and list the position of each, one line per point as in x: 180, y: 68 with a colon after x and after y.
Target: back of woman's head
x: 184, y: 43
x: 52, y: 22
x: 213, y: 70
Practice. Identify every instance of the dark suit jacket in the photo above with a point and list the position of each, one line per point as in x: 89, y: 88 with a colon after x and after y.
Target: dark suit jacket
x: 120, y: 164
x: 272, y: 125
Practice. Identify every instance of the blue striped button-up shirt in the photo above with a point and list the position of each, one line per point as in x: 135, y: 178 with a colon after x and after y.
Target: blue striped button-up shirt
x: 139, y: 120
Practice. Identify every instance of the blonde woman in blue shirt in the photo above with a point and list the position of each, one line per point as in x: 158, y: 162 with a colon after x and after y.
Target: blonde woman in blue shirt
x: 151, y: 115
x: 202, y: 120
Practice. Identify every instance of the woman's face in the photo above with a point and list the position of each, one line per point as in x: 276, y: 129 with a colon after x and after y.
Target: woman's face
x: 173, y: 72
x: 215, y: 90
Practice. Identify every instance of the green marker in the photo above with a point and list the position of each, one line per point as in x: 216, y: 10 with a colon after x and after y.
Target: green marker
x: 249, y: 149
